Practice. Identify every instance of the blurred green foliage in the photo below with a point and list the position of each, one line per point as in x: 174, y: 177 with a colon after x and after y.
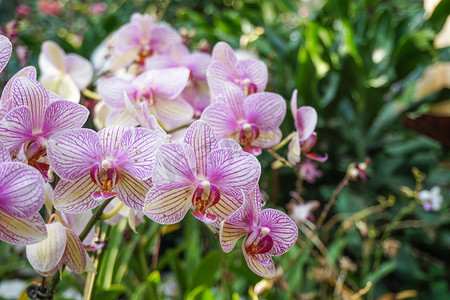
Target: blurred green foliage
x: 356, y: 62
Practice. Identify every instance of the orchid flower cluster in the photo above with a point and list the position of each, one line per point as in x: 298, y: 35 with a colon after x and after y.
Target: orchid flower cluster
x: 219, y: 118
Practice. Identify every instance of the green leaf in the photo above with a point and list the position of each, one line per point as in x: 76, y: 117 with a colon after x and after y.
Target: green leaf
x: 205, y: 273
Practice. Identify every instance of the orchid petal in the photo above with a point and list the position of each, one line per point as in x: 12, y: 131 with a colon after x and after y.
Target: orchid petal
x: 233, y: 171
x: 224, y: 53
x: 120, y: 117
x: 293, y: 105
x: 200, y: 137
x: 4, y: 154
x: 21, y: 190
x: 256, y: 71
x: 234, y: 97
x: 110, y: 139
x: 198, y: 63
x: 168, y: 206
x: 175, y: 165
x: 73, y: 152
x: 63, y: 85
x: 167, y: 83
x: 131, y: 191
x: 79, y: 69
x: 226, y: 205
x: 283, y: 230
x: 217, y: 74
x: 111, y: 91
x: 22, y: 231
x: 51, y: 59
x: 46, y: 255
x: 163, y: 37
x: 77, y: 223
x: 229, y: 144
x: 5, y: 51
x: 305, y: 122
x: 63, y: 115
x: 316, y: 157
x: 126, y: 38
x: 173, y: 113
x: 233, y: 228
x: 267, y: 139
x: 260, y: 264
x: 162, y: 61
x: 265, y: 110
x: 31, y: 93
x: 139, y: 146
x: 75, y: 196
x: 294, y: 150
x: 29, y: 72
x: 221, y: 118
x: 16, y: 128
x: 74, y: 255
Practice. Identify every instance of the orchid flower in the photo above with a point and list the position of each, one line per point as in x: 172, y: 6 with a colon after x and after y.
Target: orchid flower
x: 196, y: 91
x: 201, y: 173
x: 94, y: 166
x: 140, y: 39
x: 301, y: 212
x: 34, y: 119
x: 248, y: 74
x: 62, y: 246
x: 308, y: 170
x: 253, y: 121
x: 267, y: 233
x: 305, y: 119
x: 153, y: 92
x: 64, y: 74
x: 432, y: 199
x: 5, y: 55
x: 21, y: 197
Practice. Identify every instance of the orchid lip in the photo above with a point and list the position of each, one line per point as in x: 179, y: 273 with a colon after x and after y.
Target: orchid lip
x: 205, y: 196
x: 105, y: 175
x: 248, y: 134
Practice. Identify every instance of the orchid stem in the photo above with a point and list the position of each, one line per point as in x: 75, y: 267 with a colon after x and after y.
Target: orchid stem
x: 113, y: 212
x: 279, y: 157
x: 330, y: 203
x: 284, y: 141
x: 95, y: 217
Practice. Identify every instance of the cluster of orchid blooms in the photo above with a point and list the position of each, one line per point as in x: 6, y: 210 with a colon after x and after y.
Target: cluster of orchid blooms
x: 153, y: 85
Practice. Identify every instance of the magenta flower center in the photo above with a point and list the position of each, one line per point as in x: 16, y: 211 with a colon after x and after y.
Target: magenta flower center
x: 145, y: 52
x: 105, y: 175
x: 205, y: 196
x: 247, y: 134
x: 145, y: 95
x: 36, y: 154
x: 248, y: 86
x: 259, y: 242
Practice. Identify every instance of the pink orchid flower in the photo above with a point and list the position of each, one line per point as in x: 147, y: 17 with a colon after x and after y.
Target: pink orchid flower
x: 305, y: 119
x: 94, y: 166
x: 253, y: 121
x: 267, y: 233
x: 21, y: 198
x: 248, y: 74
x: 140, y: 39
x: 153, y: 92
x: 25, y: 130
x: 196, y: 91
x: 62, y: 246
x: 201, y: 173
x: 308, y: 170
x: 64, y: 74
x: 432, y: 199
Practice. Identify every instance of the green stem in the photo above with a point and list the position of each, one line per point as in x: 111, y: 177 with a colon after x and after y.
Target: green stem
x: 284, y: 141
x: 92, y: 278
